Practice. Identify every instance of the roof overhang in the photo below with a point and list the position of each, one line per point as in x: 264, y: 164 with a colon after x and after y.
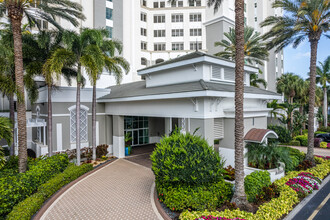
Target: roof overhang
x: 256, y: 135
x: 192, y: 95
x: 206, y: 59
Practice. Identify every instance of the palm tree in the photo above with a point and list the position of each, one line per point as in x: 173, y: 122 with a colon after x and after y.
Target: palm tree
x: 112, y: 63
x: 323, y: 77
x: 255, y: 50
x: 309, y: 19
x: 255, y: 81
x: 239, y: 196
x: 275, y: 107
x: 46, y: 10
x: 289, y: 84
x: 79, y: 51
x: 37, y: 49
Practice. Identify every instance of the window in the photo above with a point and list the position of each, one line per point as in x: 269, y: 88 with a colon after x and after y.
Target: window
x: 195, y: 3
x: 177, y: 18
x: 143, y: 61
x: 244, y: 7
x: 159, y: 47
x: 144, y: 3
x: 180, y: 3
x: 109, y: 13
x: 162, y: 4
x: 109, y: 29
x: 255, y: 5
x: 156, y: 5
x: 159, y: 18
x: 143, y: 32
x: 195, y: 17
x: 193, y: 45
x: 83, y: 124
x: 255, y: 19
x: 143, y: 45
x: 196, y: 32
x: 159, y: 33
x: 177, y: 46
x: 276, y: 61
x: 109, y: 0
x: 177, y: 32
x: 144, y: 17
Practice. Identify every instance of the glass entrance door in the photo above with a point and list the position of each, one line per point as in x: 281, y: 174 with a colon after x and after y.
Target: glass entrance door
x: 137, y: 128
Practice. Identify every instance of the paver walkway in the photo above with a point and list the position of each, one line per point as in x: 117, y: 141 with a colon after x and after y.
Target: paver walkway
x: 121, y: 190
x: 317, y: 151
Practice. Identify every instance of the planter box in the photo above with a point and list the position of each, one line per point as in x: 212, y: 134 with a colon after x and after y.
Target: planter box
x: 275, y: 174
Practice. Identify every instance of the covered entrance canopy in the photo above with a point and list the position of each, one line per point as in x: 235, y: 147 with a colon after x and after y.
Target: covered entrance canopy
x: 256, y: 135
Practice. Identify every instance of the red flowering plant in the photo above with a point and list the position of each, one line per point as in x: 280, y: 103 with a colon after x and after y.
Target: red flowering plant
x: 304, y: 184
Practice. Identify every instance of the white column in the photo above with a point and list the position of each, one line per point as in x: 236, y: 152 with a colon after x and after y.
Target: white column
x: 59, y: 139
x: 168, y: 126
x: 97, y: 134
x: 44, y: 135
x: 118, y: 136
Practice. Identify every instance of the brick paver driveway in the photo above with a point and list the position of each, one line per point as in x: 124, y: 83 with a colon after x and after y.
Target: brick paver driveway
x: 121, y: 190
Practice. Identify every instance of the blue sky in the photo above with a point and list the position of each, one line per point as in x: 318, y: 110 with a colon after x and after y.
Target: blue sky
x: 297, y: 60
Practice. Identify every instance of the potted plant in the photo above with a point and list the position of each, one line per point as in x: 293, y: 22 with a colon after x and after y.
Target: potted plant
x: 128, y: 144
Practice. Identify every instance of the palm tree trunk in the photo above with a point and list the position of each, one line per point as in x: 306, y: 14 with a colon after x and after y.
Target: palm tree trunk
x: 50, y: 122
x: 12, y: 118
x: 325, y: 107
x: 78, y: 124
x: 239, y: 195
x: 310, y: 148
x: 94, y: 122
x: 15, y: 15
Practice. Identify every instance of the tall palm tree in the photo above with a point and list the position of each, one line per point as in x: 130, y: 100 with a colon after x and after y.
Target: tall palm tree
x: 239, y: 196
x: 323, y: 77
x: 307, y: 19
x: 37, y: 49
x: 46, y: 10
x: 109, y: 61
x: 79, y: 52
x: 290, y: 84
x: 255, y: 50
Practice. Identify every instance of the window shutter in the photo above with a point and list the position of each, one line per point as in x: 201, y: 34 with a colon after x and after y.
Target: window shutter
x: 218, y: 128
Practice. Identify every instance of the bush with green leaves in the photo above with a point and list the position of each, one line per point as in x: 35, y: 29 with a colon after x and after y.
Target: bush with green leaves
x: 268, y: 156
x: 320, y: 132
x: 254, y: 182
x: 296, y: 157
x: 207, y: 196
x: 284, y: 135
x: 28, y: 207
x: 2, y: 158
x: 15, y: 188
x: 303, y: 139
x: 324, y: 144
x: 186, y: 159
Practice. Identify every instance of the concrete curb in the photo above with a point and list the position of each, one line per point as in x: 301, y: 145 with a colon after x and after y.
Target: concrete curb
x: 306, y: 200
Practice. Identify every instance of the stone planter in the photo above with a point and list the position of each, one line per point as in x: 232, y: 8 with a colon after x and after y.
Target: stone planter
x: 275, y: 174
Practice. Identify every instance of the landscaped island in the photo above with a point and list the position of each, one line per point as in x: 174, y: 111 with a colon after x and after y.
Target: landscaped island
x: 191, y: 180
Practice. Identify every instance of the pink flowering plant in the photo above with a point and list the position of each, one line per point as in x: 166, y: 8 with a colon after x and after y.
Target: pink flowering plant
x: 304, y: 184
x: 210, y: 217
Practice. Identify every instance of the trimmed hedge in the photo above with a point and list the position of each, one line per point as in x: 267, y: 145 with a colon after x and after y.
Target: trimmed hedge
x: 303, y: 139
x: 324, y: 145
x: 28, y: 207
x: 186, y: 159
x: 254, y: 182
x: 274, y: 209
x: 284, y: 135
x: 14, y: 189
x: 320, y: 132
x: 200, y: 197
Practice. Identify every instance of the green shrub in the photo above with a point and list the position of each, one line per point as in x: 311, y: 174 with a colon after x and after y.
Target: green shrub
x: 208, y: 196
x: 294, y: 143
x: 296, y: 157
x: 284, y: 135
x: 186, y: 159
x: 305, y: 131
x: 28, y: 207
x: 14, y: 189
x: 323, y: 145
x: 254, y: 182
x: 303, y: 139
x: 268, y: 156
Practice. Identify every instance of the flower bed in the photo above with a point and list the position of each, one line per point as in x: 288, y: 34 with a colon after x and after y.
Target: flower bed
x: 304, y: 184
x: 210, y: 217
x: 273, y: 209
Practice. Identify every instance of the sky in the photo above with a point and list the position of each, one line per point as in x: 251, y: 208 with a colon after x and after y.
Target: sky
x: 297, y: 60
